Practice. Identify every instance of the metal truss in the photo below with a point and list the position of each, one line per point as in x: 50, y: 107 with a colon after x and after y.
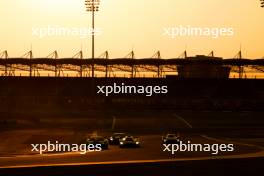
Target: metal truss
x: 81, y: 67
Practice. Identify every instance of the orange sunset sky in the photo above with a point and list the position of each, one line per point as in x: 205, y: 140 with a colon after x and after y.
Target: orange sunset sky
x: 133, y: 24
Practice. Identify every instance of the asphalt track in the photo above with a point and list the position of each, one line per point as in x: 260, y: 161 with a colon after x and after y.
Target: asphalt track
x: 151, y: 150
x: 150, y: 155
x: 147, y: 160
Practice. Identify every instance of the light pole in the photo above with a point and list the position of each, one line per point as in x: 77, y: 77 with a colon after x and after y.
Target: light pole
x: 92, y: 6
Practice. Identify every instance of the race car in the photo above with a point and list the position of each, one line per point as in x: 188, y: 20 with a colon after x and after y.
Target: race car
x: 95, y: 140
x: 129, y: 141
x: 171, y: 139
x: 115, y: 138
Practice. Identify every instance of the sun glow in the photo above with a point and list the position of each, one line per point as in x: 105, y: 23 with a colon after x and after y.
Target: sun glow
x: 128, y: 24
x: 57, y: 5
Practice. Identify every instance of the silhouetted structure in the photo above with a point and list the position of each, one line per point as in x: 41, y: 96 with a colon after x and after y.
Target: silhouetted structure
x: 92, y: 6
x: 217, y: 68
x: 204, y: 69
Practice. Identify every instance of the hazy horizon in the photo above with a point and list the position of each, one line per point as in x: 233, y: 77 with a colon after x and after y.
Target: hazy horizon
x: 137, y: 25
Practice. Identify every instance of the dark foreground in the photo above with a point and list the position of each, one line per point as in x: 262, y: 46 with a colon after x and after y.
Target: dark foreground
x: 230, y: 109
x: 250, y: 167
x: 46, y: 96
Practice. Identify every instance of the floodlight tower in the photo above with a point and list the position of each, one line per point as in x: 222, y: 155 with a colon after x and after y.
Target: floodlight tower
x: 92, y: 6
